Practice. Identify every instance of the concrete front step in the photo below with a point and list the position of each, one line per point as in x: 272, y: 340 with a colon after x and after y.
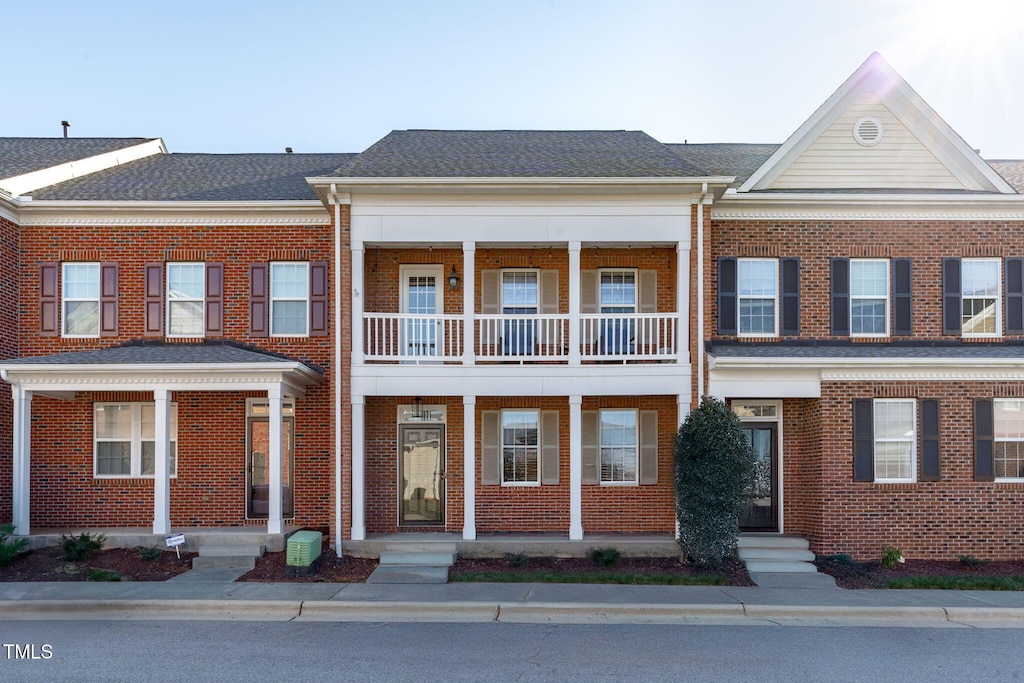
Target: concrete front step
x: 779, y: 566
x: 446, y: 547
x: 794, y: 554
x: 234, y: 550
x: 408, y: 574
x: 222, y: 562
x: 435, y: 559
x: 772, y: 541
x: 792, y: 580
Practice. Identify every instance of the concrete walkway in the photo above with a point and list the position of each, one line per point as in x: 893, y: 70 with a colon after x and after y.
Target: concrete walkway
x: 510, y: 602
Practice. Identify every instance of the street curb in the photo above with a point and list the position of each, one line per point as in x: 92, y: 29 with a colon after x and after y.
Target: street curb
x: 344, y: 610
x: 985, y: 614
x: 223, y: 610
x: 605, y: 613
x: 846, y: 612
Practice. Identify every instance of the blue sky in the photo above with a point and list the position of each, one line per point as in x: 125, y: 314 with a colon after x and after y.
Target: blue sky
x: 334, y: 76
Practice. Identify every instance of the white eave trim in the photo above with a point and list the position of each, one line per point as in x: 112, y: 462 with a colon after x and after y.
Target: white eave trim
x: 862, y: 363
x: 27, y: 182
x: 263, y: 212
x: 868, y: 206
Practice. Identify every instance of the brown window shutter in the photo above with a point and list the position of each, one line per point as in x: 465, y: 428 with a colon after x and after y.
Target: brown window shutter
x: 648, y: 447
x: 863, y: 440
x: 590, y: 283
x: 108, y: 299
x: 930, y: 439
x: 984, y: 440
x: 154, y: 295
x: 490, y: 304
x: 214, y: 299
x: 549, y: 446
x: 318, y: 300
x: 590, y: 431
x: 490, y: 447
x: 259, y: 300
x: 648, y: 293
x: 49, y: 299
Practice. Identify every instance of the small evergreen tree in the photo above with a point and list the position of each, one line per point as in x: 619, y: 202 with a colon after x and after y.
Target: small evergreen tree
x: 714, y: 473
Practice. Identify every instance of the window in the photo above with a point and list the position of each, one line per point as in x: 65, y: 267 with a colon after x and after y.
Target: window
x: 1009, y: 439
x: 520, y: 449
x: 289, y: 299
x: 124, y: 439
x: 81, y: 299
x: 895, y: 438
x: 869, y: 297
x: 618, y: 446
x: 757, y: 290
x: 186, y: 298
x: 980, y: 293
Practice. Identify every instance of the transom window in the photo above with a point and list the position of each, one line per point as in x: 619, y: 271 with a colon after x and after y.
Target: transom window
x: 619, y: 444
x: 520, y: 449
x: 895, y: 430
x: 757, y: 282
x: 289, y: 299
x: 1009, y: 439
x: 869, y: 297
x: 186, y: 295
x: 980, y: 292
x: 81, y: 299
x: 124, y: 440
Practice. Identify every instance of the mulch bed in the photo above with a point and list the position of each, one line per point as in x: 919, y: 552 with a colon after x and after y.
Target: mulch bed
x: 734, y: 570
x: 46, y: 564
x: 329, y: 568
x: 872, y: 574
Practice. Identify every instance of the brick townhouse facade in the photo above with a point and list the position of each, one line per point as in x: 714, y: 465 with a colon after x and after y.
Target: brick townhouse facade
x: 499, y: 332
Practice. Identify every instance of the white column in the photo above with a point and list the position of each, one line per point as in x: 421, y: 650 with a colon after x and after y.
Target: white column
x: 468, y: 303
x: 683, y: 302
x: 358, y: 468
x: 275, y: 518
x: 574, y: 303
x: 162, y: 462
x: 576, y: 467
x: 22, y: 459
x: 469, y: 468
x: 358, y: 348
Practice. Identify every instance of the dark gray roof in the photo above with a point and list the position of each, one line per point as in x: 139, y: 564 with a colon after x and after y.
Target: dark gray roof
x: 518, y: 154
x: 158, y: 353
x: 25, y: 155
x: 880, y: 351
x: 726, y: 158
x: 1012, y: 171
x: 201, y: 177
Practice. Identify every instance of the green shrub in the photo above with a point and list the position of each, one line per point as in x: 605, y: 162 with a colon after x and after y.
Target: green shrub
x: 891, y: 557
x: 103, y: 574
x: 838, y: 558
x: 9, y: 548
x: 81, y: 547
x: 604, y: 557
x: 516, y: 559
x: 714, y: 474
x: 151, y: 553
x: 972, y: 561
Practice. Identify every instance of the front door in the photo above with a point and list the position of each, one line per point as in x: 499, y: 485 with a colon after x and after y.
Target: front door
x: 761, y: 512
x: 258, y: 468
x: 421, y: 474
x: 421, y: 331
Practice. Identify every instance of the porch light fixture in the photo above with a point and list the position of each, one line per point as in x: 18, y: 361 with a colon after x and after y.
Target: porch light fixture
x: 453, y: 279
x: 417, y: 410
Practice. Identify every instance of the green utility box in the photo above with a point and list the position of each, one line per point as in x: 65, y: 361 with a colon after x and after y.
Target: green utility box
x: 304, y: 548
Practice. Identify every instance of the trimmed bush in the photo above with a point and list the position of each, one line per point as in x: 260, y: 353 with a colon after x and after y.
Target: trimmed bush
x: 8, y: 548
x: 604, y: 557
x: 81, y: 547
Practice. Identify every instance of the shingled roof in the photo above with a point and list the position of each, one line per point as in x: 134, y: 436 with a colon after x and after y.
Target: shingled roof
x: 726, y: 159
x: 518, y: 154
x: 19, y: 156
x: 161, y: 353
x: 201, y: 177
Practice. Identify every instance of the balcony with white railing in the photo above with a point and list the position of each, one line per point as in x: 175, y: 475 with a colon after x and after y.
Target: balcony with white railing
x: 629, y: 337
x: 413, y: 338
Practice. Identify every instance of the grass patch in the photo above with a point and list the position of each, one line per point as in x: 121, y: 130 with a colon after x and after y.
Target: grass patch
x: 962, y: 583
x: 628, y: 578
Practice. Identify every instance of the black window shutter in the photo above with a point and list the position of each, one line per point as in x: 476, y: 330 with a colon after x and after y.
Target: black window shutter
x: 984, y: 431
x: 727, y: 295
x: 840, y: 307
x: 901, y: 299
x: 951, y: 307
x: 930, y: 440
x: 863, y: 440
x: 790, y: 268
x: 1014, y: 296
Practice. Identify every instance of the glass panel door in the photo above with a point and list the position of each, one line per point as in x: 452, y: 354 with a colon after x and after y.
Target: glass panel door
x: 421, y: 296
x: 761, y: 511
x: 421, y: 474
x: 258, y: 468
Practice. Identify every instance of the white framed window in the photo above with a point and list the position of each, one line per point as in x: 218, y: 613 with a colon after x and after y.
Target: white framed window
x: 981, y: 292
x: 757, y: 288
x: 617, y: 293
x: 619, y: 446
x: 895, y: 434
x: 80, y: 299
x: 520, y: 447
x: 123, y: 440
x: 869, y: 297
x: 186, y: 299
x: 289, y: 299
x: 1009, y: 439
x: 520, y: 292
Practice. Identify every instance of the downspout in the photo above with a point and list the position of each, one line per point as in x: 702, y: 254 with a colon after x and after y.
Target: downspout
x: 700, y: 291
x: 338, y: 484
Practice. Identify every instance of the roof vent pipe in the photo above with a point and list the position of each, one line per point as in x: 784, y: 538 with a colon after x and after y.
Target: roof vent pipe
x: 66, y: 126
x: 287, y: 150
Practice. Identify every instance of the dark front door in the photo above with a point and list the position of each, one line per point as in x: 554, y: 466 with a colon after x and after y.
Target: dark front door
x: 421, y: 474
x: 761, y: 512
x: 258, y: 468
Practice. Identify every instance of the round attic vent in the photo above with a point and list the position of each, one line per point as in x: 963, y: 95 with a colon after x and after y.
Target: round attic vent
x: 867, y: 131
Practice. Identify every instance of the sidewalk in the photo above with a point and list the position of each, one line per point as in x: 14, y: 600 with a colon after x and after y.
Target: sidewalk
x: 510, y: 602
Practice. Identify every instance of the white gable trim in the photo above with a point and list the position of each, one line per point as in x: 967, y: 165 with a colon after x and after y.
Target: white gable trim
x: 868, y: 206
x: 948, y: 147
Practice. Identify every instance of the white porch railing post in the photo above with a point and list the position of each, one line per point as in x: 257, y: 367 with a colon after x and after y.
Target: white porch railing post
x: 22, y: 460
x: 275, y: 516
x: 358, y: 348
x: 575, y: 468
x: 358, y: 468
x: 162, y: 461
x: 468, y: 302
x: 682, y: 338
x: 574, y: 303
x: 469, y: 468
